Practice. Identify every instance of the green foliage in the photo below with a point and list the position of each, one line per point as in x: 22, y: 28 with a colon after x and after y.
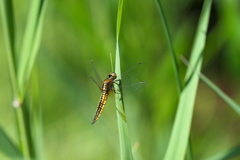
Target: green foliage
x: 181, y: 128
x: 226, y: 154
x: 125, y: 145
x: 20, y: 67
x: 7, y: 146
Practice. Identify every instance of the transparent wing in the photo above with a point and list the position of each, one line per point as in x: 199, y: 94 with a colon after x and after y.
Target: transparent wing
x: 98, y: 80
x: 95, y: 82
x: 135, y: 86
x: 131, y: 78
x: 133, y: 70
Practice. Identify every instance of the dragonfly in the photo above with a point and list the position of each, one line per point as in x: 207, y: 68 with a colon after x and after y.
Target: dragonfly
x: 106, y: 87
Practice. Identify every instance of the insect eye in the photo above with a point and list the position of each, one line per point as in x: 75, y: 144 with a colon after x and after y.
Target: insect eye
x: 109, y: 76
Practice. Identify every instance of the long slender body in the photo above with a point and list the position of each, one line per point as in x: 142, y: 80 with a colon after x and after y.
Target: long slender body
x: 107, y: 86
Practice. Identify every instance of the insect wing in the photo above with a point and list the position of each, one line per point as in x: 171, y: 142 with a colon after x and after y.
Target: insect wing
x: 135, y: 86
x: 98, y: 80
x: 130, y: 78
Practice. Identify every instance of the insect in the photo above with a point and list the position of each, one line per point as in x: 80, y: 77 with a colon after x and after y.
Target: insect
x: 106, y: 87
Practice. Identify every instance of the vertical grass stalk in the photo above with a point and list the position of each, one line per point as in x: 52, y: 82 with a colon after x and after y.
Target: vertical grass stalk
x: 22, y: 133
x: 169, y: 41
x: 20, y: 70
x: 36, y: 117
x: 31, y: 43
x: 125, y: 145
x: 175, y: 64
x: 181, y: 128
x: 9, y: 37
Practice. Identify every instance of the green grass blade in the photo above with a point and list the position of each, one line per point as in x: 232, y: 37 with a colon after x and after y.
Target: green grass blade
x: 31, y: 43
x: 8, y: 27
x: 125, y: 145
x: 36, y: 42
x: 216, y: 89
x: 119, y: 19
x: 22, y: 133
x: 26, y: 60
x: 7, y: 147
x: 174, y: 60
x: 227, y: 154
x: 36, y: 117
x: 189, y: 155
x: 169, y: 41
x: 225, y: 97
x: 181, y: 128
x: 9, y: 35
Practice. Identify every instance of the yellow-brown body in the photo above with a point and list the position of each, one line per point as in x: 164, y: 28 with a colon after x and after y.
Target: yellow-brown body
x: 106, y: 87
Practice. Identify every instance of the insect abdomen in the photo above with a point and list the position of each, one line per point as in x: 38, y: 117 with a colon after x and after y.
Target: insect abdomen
x: 102, y: 102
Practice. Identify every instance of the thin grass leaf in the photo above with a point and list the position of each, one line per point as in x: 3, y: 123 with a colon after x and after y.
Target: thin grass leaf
x: 27, y: 57
x: 225, y: 97
x: 174, y: 61
x: 8, y: 30
x: 169, y: 41
x: 37, y: 40
x: 8, y: 27
x: 30, y: 44
x: 9, y: 36
x: 8, y: 147
x: 125, y: 145
x: 36, y: 117
x: 216, y: 89
x: 22, y: 133
x: 189, y: 154
x: 119, y: 19
x: 181, y: 128
x: 111, y: 59
x: 227, y: 154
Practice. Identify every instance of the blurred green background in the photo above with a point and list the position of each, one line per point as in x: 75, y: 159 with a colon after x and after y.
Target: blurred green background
x: 76, y: 31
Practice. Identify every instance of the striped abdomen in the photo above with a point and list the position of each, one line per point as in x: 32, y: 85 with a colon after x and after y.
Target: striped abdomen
x: 106, y: 87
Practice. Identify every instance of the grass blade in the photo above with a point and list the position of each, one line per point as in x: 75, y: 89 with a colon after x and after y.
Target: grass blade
x: 20, y: 72
x: 36, y: 117
x: 8, y: 29
x: 119, y: 19
x: 216, y: 89
x: 37, y: 39
x: 169, y: 41
x: 22, y: 133
x: 9, y: 35
x: 31, y: 43
x: 181, y: 128
x: 27, y: 57
x: 7, y: 146
x: 125, y: 145
x: 227, y: 154
x: 174, y: 60
x: 225, y: 97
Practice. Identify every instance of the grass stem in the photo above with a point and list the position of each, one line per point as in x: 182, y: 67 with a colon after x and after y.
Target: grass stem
x: 125, y: 145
